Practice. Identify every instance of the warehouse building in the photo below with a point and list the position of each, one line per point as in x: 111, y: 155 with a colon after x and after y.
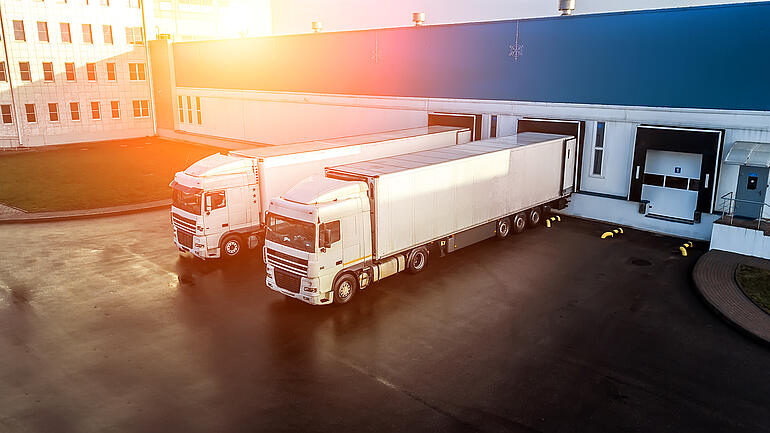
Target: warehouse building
x: 657, y: 98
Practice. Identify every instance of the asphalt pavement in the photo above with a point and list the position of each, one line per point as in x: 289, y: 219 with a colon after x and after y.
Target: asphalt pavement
x: 104, y: 327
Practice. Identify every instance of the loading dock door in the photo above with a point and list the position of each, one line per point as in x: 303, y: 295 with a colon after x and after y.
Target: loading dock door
x: 564, y: 127
x: 470, y: 121
x: 670, y: 184
x: 669, y: 148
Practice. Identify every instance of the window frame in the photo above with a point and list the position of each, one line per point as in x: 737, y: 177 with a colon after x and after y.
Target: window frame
x: 3, y: 74
x: 91, y: 70
x: 53, y: 113
x: 114, y: 109
x: 90, y: 33
x: 28, y: 71
x: 114, y: 71
x: 600, y: 135
x: 180, y: 102
x: 67, y: 72
x: 198, y: 112
x: 107, y: 30
x: 63, y: 26
x: 17, y: 30
x: 47, y: 72
x: 44, y: 30
x: 3, y: 113
x: 96, y: 114
x: 27, y: 113
x: 76, y: 105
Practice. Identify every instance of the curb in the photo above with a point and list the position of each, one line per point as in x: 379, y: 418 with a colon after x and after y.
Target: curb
x: 39, y: 217
x: 700, y: 281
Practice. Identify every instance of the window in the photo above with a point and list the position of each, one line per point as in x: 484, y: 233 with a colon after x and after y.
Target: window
x: 329, y: 233
x: 24, y: 71
x: 136, y: 71
x: 47, y: 71
x: 111, y: 74
x: 133, y: 3
x: 75, y: 110
x: 18, y: 30
x: 598, y: 150
x: 95, y: 112
x: 88, y: 37
x: 115, y: 109
x: 107, y: 34
x: 181, y: 109
x: 189, y: 109
x: 69, y: 71
x: 493, y: 126
x: 104, y: 2
x: 6, y: 111
x: 141, y: 108
x: 134, y: 35
x: 30, y: 109
x: 53, y: 112
x: 3, y: 75
x: 91, y: 71
x: 66, y: 36
x: 42, y: 31
x: 198, y: 108
x: 215, y: 200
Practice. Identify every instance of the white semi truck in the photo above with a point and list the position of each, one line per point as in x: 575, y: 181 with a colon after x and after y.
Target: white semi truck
x: 330, y: 236
x: 219, y: 202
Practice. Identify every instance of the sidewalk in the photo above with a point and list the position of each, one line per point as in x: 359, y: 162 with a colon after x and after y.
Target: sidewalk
x: 714, y: 277
x: 12, y: 215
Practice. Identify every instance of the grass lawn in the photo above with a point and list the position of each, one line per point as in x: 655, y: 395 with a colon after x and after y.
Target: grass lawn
x: 94, y: 175
x: 755, y: 282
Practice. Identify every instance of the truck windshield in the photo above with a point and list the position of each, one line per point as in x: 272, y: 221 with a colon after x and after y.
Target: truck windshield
x: 187, y: 202
x: 291, y: 232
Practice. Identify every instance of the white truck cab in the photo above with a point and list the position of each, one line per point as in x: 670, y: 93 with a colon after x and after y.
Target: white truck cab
x: 305, y: 248
x: 215, y: 204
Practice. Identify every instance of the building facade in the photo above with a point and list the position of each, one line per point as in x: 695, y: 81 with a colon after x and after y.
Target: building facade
x: 656, y: 98
x: 73, y: 71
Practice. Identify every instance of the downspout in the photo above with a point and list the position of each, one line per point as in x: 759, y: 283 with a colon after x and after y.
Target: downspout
x: 8, y: 74
x: 149, y: 71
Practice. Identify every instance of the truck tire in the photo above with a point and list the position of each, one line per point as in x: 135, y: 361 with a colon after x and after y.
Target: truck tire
x: 503, y: 228
x: 344, y: 288
x: 231, y: 246
x: 535, y: 216
x: 519, y: 222
x: 417, y: 260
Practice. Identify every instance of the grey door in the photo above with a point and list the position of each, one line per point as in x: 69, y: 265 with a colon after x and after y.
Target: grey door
x: 752, y: 186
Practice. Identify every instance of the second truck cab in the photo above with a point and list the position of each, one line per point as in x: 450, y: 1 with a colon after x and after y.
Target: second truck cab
x: 215, y: 206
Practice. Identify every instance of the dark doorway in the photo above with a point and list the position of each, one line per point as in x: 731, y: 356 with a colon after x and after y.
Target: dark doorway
x: 707, y: 143
x: 470, y: 121
x: 574, y: 128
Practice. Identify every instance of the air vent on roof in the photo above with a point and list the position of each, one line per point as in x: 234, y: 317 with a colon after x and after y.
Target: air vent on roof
x: 566, y: 6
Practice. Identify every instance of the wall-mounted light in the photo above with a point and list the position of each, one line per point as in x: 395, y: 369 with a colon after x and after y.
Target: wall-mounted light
x: 566, y: 6
x: 317, y: 26
x: 418, y: 18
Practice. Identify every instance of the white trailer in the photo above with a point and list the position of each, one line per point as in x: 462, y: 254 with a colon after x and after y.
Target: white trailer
x: 219, y: 202
x: 328, y: 237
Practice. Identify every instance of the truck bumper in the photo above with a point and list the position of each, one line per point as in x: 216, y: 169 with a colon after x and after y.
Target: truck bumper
x: 199, y: 252
x: 303, y: 295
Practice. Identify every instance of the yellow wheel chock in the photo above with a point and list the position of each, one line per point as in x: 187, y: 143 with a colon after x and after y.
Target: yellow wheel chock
x: 683, y: 248
x: 617, y: 231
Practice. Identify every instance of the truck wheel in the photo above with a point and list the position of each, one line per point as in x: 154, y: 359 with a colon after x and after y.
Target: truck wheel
x: 344, y: 289
x: 231, y: 246
x: 535, y: 215
x: 418, y: 260
x: 519, y: 222
x: 503, y: 228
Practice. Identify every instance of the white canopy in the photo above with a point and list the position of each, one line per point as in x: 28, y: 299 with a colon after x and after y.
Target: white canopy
x: 749, y: 153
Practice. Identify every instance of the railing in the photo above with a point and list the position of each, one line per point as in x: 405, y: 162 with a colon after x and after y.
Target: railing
x: 728, y: 207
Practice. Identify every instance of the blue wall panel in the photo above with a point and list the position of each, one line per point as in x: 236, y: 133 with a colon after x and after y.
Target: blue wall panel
x: 705, y: 57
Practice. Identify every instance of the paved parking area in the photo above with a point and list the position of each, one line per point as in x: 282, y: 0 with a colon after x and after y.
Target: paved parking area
x: 549, y: 331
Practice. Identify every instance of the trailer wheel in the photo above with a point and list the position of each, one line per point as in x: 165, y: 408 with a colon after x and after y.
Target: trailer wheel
x: 519, y: 222
x: 535, y: 215
x: 344, y: 288
x: 417, y: 260
x: 503, y: 228
x: 231, y: 246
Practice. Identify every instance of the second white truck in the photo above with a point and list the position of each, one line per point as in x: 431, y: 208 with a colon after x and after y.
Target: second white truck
x: 219, y: 202
x: 330, y: 236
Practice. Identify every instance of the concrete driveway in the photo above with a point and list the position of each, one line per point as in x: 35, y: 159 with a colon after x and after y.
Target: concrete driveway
x: 550, y: 331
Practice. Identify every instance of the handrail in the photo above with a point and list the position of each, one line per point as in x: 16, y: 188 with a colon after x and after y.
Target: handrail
x: 728, y: 207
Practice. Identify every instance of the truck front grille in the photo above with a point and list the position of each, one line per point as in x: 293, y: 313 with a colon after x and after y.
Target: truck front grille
x: 184, y: 238
x: 185, y: 228
x: 287, y: 281
x: 287, y: 263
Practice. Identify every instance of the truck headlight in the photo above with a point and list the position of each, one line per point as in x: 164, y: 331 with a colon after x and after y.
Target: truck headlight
x: 310, y: 289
